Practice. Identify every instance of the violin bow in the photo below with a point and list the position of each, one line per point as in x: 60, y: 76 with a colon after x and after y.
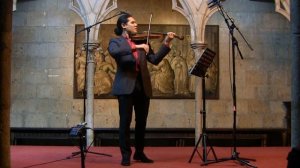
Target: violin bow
x: 149, y: 27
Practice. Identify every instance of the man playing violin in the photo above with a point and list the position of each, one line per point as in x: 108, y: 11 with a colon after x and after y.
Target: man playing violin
x: 132, y: 84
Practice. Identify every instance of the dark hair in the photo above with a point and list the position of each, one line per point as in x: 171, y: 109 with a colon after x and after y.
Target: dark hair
x: 123, y: 19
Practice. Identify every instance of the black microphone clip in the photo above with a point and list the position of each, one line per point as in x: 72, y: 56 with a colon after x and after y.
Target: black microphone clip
x: 212, y: 3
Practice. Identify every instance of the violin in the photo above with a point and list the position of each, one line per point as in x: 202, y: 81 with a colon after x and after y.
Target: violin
x: 145, y: 35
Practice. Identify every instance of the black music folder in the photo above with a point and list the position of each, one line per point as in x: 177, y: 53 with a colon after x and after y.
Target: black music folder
x: 206, y: 58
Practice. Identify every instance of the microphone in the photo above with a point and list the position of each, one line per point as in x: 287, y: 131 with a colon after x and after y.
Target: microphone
x: 212, y: 3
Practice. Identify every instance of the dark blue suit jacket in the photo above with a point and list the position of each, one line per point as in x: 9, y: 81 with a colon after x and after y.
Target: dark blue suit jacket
x: 125, y: 79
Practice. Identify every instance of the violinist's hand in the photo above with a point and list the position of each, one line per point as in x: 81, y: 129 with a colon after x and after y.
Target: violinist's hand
x: 143, y: 46
x: 170, y: 36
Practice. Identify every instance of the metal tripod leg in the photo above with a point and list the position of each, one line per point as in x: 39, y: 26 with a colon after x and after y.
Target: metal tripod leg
x: 205, y: 152
x: 242, y: 161
x: 86, y: 150
x: 203, y: 136
x: 83, y: 149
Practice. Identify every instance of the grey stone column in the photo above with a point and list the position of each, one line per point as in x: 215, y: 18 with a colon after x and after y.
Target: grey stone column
x: 5, y: 69
x: 295, y: 48
x: 198, y: 48
x: 89, y: 104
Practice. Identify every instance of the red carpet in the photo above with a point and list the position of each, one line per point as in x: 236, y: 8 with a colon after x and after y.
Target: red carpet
x: 164, y: 157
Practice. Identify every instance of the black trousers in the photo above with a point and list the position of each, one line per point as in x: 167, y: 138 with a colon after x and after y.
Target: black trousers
x: 140, y: 103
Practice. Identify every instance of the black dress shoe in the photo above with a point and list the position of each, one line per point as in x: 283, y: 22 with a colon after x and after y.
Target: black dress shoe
x: 142, y: 157
x: 125, y: 161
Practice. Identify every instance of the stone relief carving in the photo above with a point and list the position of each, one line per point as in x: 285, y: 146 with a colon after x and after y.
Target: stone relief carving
x: 170, y: 78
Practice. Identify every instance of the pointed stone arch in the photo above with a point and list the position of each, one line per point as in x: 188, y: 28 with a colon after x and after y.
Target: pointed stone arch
x: 91, y: 12
x: 283, y: 7
x: 197, y: 14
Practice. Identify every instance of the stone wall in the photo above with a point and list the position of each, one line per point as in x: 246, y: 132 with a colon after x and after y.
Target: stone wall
x: 43, y: 58
x: 263, y: 76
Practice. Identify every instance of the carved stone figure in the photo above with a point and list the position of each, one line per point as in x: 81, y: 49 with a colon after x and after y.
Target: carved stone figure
x: 80, y: 64
x: 163, y: 77
x: 102, y: 79
x: 180, y: 69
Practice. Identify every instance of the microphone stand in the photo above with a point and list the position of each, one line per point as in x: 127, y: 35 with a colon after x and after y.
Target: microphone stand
x: 83, y: 148
x: 234, y: 43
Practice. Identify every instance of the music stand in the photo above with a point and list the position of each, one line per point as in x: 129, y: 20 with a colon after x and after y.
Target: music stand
x: 199, y: 69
